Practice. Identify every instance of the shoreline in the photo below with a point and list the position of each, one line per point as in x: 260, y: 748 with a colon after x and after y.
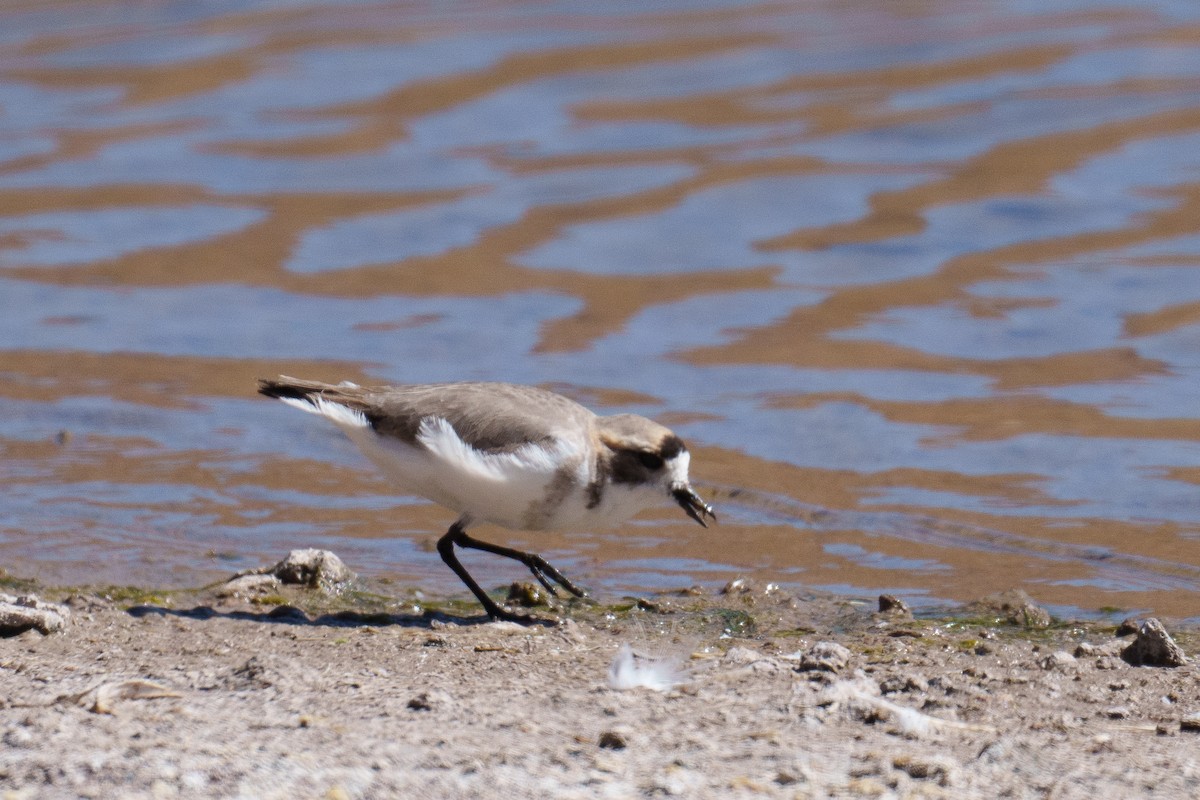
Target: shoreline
x: 315, y: 690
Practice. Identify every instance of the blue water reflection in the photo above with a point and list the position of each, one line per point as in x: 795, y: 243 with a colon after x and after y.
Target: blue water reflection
x: 924, y: 276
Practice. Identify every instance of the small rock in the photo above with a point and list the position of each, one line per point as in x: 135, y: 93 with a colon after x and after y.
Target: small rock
x: 661, y: 606
x: 431, y: 700
x: 1059, y: 660
x: 1164, y: 729
x: 824, y: 657
x: 1154, y: 647
x: 253, y: 585
x: 1190, y: 723
x: 1116, y: 712
x: 28, y: 612
x: 890, y: 604
x: 524, y: 593
x: 1083, y: 650
x: 1128, y: 627
x: 739, y: 586
x: 317, y: 569
x: 613, y: 740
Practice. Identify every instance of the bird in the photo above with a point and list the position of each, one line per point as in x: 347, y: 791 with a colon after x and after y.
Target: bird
x: 520, y: 457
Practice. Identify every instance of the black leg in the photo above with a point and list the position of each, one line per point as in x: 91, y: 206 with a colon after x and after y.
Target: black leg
x: 539, y: 566
x: 445, y: 547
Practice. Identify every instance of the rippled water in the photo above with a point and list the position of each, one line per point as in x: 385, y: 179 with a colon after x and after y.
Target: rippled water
x: 919, y: 279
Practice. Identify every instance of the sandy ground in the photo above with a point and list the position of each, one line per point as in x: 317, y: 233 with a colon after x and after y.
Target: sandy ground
x: 296, y: 694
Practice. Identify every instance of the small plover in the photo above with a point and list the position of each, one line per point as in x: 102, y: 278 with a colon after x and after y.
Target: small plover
x: 519, y: 457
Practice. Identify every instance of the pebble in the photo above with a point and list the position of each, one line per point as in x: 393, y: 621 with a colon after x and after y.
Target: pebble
x: 654, y: 606
x: 1128, y: 627
x: 890, y: 604
x: 612, y: 740
x: 739, y: 586
x: 1059, y: 660
x: 431, y: 700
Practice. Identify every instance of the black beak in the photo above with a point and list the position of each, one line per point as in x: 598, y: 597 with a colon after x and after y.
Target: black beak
x: 690, y: 502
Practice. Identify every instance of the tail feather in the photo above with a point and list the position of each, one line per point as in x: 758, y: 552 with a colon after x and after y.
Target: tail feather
x: 286, y: 388
x: 342, y: 403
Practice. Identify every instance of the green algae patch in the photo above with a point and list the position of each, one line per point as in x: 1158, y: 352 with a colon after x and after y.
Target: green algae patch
x: 130, y: 596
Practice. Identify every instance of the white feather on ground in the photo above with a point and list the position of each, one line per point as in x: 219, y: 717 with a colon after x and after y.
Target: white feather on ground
x: 630, y: 670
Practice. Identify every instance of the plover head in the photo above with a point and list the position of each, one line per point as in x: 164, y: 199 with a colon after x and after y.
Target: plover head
x: 647, y: 458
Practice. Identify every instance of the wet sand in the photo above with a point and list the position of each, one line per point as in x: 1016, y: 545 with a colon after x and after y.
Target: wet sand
x: 295, y: 693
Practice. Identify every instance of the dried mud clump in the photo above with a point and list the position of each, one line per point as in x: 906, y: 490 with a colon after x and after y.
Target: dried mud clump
x: 316, y: 569
x: 1015, y: 607
x: 1154, y: 647
x: 28, y: 612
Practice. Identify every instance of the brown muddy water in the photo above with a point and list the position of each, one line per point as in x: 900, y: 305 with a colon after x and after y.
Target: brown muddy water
x: 918, y: 281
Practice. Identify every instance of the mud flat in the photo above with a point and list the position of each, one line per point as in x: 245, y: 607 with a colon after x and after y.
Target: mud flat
x: 263, y: 689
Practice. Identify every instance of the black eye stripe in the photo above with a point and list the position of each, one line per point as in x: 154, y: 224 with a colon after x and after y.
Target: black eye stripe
x: 650, y: 460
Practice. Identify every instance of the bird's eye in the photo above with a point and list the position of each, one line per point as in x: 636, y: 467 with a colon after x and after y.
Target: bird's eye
x: 650, y: 461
